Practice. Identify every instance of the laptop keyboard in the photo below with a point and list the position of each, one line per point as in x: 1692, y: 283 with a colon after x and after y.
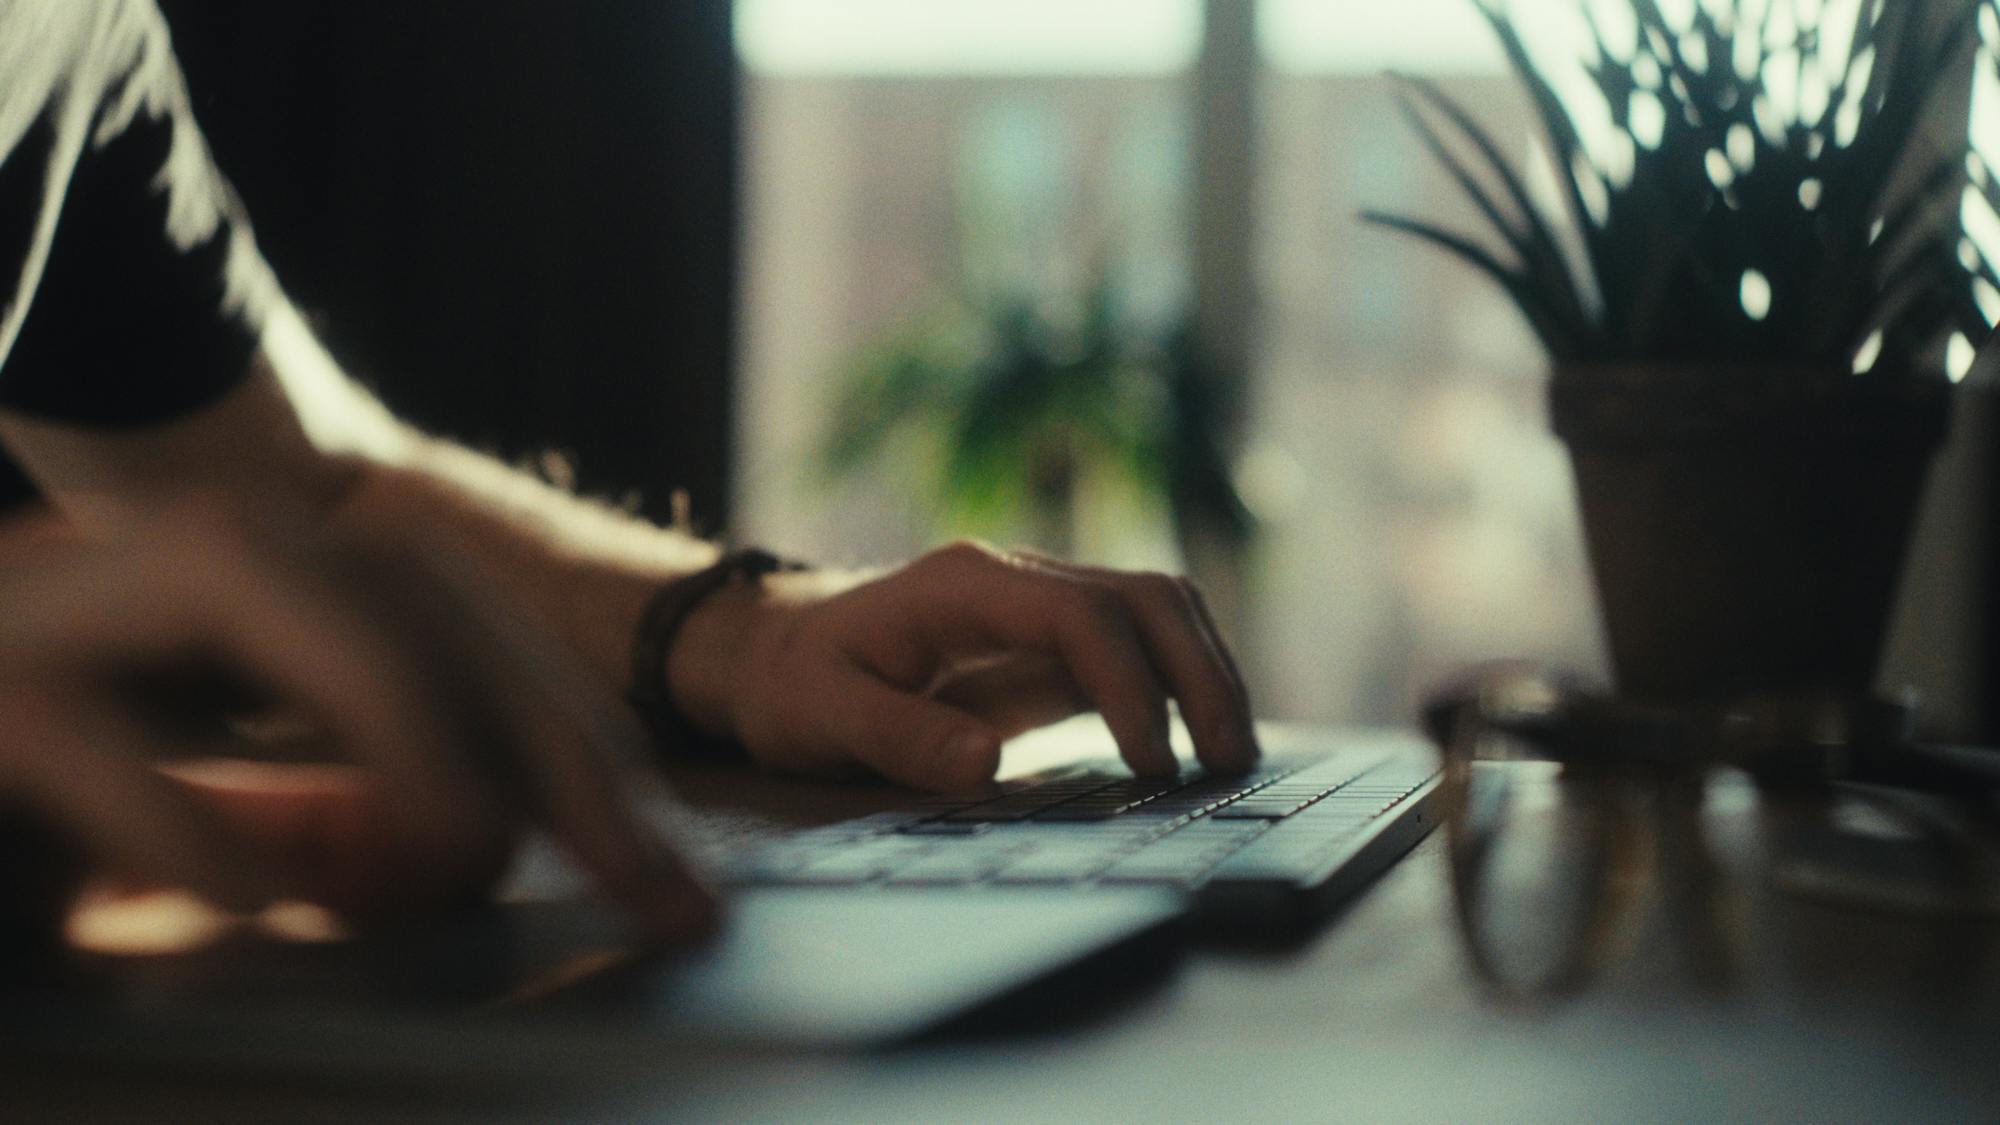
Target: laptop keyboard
x: 1288, y: 822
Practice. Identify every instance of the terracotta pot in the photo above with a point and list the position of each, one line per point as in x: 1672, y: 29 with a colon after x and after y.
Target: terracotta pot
x: 1746, y: 527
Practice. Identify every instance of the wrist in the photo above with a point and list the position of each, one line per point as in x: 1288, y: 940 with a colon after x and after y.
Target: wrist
x: 711, y: 667
x: 709, y: 655
x: 683, y: 686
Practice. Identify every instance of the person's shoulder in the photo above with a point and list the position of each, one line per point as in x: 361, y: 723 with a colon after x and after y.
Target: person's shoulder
x: 132, y: 61
x: 102, y: 51
x: 44, y: 45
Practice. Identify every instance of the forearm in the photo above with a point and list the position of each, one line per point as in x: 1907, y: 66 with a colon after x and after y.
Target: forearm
x: 581, y: 569
x: 298, y: 436
x: 919, y: 675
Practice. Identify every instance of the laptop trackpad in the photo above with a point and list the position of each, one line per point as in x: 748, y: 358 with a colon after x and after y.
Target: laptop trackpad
x: 853, y: 967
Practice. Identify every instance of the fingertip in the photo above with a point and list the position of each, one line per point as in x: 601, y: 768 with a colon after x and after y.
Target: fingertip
x: 970, y: 760
x: 1241, y: 757
x: 1151, y: 757
x: 1232, y: 751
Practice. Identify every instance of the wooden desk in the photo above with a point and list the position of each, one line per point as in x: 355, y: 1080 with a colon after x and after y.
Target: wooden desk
x: 1847, y: 1016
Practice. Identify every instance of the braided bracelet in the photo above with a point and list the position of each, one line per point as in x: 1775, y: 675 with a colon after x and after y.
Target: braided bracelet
x: 660, y: 624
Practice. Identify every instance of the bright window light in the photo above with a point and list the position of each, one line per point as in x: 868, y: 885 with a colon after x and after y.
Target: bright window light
x: 1370, y: 36
x: 1981, y: 224
x: 916, y: 37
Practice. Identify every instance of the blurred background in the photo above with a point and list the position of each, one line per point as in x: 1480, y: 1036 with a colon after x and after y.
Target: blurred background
x: 1409, y: 511
x: 864, y: 274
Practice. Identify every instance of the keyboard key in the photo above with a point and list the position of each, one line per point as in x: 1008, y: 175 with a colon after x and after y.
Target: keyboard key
x: 1028, y: 802
x: 1168, y: 809
x: 947, y: 827
x: 1192, y: 805
x: 1255, y: 808
x: 859, y: 862
x: 1000, y: 812
x: 1057, y: 866
x: 1080, y: 811
x: 859, y: 827
x: 1373, y: 801
x: 1112, y: 800
x: 1209, y: 828
x: 1125, y: 831
x: 947, y: 869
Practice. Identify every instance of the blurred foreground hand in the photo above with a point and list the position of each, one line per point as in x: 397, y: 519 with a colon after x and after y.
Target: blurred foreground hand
x: 439, y: 730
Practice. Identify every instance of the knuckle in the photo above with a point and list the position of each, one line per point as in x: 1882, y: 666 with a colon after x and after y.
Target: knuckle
x: 962, y: 554
x: 1195, y: 602
x: 204, y: 529
x: 1161, y: 590
x: 1099, y: 606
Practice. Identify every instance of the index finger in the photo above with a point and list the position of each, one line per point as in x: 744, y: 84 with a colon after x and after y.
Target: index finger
x: 570, y: 747
x: 967, y: 598
x: 1182, y: 640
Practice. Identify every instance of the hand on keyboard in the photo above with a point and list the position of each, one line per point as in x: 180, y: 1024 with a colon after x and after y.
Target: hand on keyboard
x: 922, y: 673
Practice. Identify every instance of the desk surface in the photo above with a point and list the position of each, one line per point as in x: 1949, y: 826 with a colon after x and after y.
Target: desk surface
x: 1852, y: 1016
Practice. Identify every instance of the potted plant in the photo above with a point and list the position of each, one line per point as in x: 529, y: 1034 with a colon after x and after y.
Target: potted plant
x: 1007, y: 404
x: 1756, y: 292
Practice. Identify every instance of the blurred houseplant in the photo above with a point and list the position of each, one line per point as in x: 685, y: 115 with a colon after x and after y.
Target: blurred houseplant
x: 1005, y: 406
x: 1756, y: 289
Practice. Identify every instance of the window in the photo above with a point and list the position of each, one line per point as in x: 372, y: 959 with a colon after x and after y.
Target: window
x: 879, y: 38
x: 1420, y: 515
x: 1415, y: 512
x: 902, y: 151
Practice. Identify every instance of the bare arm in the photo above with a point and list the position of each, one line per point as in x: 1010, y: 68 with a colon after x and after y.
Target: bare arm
x: 896, y: 672
x: 298, y: 435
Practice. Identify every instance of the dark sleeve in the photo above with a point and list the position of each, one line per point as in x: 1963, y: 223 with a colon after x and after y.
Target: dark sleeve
x: 152, y: 295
